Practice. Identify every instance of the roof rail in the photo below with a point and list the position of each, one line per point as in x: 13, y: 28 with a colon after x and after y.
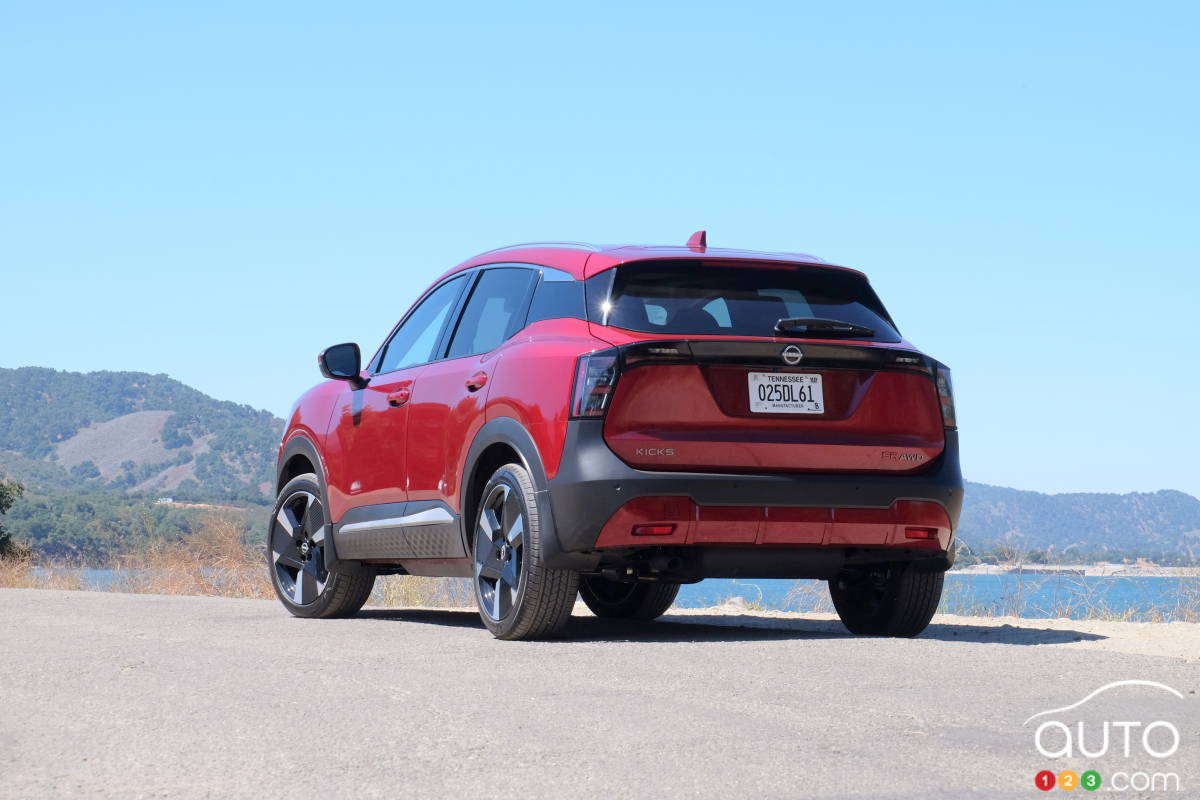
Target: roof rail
x: 564, y: 245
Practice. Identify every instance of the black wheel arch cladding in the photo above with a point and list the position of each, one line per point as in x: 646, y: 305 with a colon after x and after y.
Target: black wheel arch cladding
x: 301, y: 445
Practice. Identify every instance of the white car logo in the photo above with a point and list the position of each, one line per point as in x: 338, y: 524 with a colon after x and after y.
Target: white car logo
x: 792, y: 355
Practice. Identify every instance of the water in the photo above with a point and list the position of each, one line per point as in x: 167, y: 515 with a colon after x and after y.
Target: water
x: 1031, y: 596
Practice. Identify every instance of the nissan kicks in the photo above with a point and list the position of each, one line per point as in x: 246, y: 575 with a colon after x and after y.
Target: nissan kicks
x: 560, y: 420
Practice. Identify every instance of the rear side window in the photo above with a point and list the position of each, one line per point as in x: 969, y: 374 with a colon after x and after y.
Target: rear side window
x: 495, y: 311
x: 556, y: 297
x: 708, y: 298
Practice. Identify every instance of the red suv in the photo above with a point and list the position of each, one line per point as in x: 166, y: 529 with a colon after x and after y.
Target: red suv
x: 559, y: 419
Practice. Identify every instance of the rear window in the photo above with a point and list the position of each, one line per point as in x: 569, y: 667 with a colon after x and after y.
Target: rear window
x: 695, y: 298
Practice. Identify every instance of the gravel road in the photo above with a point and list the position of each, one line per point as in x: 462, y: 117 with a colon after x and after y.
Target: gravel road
x: 112, y: 695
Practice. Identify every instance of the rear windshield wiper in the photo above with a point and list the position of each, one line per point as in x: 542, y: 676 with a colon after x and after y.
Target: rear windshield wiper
x: 817, y: 327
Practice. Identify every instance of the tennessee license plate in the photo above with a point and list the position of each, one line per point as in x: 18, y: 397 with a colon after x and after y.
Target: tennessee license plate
x: 786, y: 393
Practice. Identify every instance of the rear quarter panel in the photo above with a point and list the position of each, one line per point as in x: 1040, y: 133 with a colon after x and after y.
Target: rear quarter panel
x: 533, y: 385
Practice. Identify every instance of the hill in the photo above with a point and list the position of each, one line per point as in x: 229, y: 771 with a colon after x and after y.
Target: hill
x: 1165, y: 523
x: 96, y: 449
x: 132, y: 431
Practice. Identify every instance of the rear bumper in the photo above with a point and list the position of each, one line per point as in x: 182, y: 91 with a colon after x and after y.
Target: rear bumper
x: 597, y: 499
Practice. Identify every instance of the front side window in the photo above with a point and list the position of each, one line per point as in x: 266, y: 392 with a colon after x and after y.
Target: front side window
x: 414, y: 342
x: 495, y: 311
x: 709, y: 298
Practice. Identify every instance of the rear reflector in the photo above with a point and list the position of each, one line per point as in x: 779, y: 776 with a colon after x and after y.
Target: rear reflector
x: 920, y: 533
x: 653, y: 530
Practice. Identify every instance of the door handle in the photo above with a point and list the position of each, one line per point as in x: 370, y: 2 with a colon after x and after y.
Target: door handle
x: 399, y: 397
x: 476, y: 381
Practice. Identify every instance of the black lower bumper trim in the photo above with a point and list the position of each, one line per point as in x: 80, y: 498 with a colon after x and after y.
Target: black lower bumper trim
x: 695, y: 563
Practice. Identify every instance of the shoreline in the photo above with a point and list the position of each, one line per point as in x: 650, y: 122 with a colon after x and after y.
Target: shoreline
x: 1080, y: 570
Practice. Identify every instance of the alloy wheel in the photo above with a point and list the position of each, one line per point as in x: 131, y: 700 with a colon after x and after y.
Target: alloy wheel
x: 499, y: 542
x: 298, y: 548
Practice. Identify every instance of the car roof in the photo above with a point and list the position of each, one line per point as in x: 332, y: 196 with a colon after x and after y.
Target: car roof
x: 583, y: 260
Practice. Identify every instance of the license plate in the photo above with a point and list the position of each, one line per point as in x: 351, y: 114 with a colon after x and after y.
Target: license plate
x: 786, y: 393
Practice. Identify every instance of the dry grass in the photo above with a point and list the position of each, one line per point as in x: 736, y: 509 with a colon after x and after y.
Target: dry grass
x: 401, y: 591
x: 808, y: 597
x: 215, y: 561
x: 1072, y: 598
x: 17, y: 571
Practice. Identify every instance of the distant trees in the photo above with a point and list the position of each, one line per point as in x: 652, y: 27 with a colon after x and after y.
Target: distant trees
x: 9, y: 492
x: 85, y: 470
x: 95, y: 527
x: 173, y: 437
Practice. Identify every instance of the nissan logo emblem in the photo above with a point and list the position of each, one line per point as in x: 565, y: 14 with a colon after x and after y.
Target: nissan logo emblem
x: 792, y: 355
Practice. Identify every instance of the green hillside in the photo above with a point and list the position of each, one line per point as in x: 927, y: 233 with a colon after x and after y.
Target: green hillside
x: 133, y: 431
x: 96, y: 451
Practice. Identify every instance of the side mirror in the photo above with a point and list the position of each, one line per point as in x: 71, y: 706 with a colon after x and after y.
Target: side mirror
x: 342, y: 362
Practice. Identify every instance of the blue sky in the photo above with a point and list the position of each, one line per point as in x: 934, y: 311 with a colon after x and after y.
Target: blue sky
x: 217, y: 193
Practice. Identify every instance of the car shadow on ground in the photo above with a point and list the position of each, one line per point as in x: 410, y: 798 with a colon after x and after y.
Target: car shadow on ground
x: 739, y: 628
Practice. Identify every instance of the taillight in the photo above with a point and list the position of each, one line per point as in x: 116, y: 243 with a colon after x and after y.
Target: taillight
x: 595, y: 380
x: 945, y: 392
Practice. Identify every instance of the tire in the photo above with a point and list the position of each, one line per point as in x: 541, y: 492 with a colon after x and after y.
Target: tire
x: 892, y: 600
x: 296, y: 557
x: 519, y: 597
x: 615, y: 600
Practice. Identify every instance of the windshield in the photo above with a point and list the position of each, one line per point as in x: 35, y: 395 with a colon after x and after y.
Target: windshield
x: 693, y: 297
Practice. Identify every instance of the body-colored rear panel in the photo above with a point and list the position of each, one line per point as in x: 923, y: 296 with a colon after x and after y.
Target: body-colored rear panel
x: 697, y: 417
